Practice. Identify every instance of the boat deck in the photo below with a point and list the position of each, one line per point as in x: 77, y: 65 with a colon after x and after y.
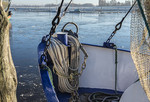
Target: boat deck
x: 84, y: 94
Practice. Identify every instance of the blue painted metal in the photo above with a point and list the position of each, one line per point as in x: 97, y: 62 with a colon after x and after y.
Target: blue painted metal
x: 108, y: 45
x: 47, y: 85
x: 63, y: 38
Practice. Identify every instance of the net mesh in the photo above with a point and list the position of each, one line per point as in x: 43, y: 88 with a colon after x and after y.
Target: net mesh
x: 140, y: 43
x: 147, y: 11
x: 5, y: 3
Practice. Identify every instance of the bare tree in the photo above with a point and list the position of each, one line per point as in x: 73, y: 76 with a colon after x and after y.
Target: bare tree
x: 8, y: 78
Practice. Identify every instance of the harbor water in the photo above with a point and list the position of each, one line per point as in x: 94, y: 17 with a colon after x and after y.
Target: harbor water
x: 28, y: 28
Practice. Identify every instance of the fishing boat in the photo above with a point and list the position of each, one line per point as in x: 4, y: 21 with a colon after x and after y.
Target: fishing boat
x: 75, y: 72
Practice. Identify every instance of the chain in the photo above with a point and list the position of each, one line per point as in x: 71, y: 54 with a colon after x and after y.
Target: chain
x: 83, y: 66
x: 119, y: 25
x: 72, y: 75
x: 56, y: 21
x: 74, y: 97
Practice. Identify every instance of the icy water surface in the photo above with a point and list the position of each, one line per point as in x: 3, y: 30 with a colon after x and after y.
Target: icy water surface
x: 29, y: 27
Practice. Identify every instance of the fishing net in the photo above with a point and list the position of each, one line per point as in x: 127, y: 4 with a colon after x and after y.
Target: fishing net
x: 5, y: 3
x: 140, y: 42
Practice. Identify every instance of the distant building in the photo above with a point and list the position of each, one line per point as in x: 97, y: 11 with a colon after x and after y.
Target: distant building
x: 102, y: 3
x: 127, y: 3
x: 113, y: 2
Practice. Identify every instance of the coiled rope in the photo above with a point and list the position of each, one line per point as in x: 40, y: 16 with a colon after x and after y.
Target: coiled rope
x: 68, y: 76
x: 103, y: 97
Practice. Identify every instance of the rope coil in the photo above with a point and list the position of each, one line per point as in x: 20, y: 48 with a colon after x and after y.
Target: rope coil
x: 68, y: 75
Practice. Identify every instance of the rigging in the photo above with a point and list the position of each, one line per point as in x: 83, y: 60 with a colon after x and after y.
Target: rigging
x: 117, y: 27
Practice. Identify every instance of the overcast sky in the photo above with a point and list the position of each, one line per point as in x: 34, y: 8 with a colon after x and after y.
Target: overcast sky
x: 41, y: 2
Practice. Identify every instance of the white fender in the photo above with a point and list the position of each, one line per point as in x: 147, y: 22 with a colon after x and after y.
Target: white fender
x: 134, y: 93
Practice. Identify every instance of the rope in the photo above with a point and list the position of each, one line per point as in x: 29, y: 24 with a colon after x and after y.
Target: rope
x: 68, y: 76
x: 103, y: 97
x: 116, y: 68
x: 66, y: 9
x: 5, y: 4
x: 7, y: 10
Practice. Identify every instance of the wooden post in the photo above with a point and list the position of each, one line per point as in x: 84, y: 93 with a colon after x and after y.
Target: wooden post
x: 8, y: 78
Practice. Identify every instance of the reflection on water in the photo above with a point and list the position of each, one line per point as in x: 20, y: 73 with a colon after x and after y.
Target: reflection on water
x: 28, y: 29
